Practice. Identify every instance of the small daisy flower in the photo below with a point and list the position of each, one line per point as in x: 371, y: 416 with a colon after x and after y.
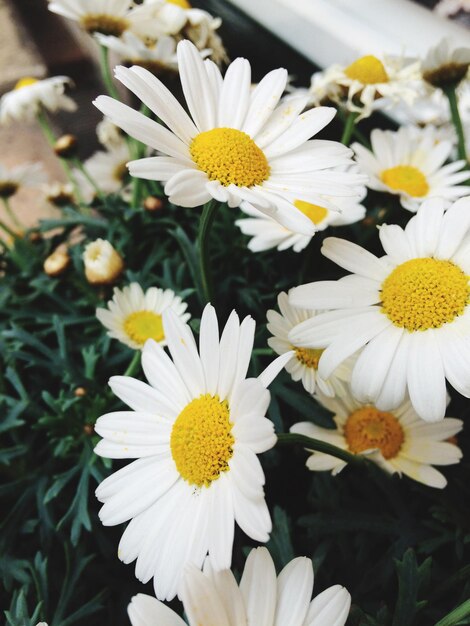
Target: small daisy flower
x: 238, y: 145
x: 30, y: 95
x: 57, y: 262
x: 409, y: 311
x: 304, y: 362
x: 157, y: 58
x: 266, y: 233
x: 398, y: 440
x: 133, y: 316
x: 212, y: 597
x: 445, y: 66
x: 59, y: 194
x: 109, y: 135
x: 110, y: 17
x: 410, y: 163
x: 108, y: 169
x: 26, y: 175
x: 103, y: 264
x: 195, y: 432
x: 367, y: 84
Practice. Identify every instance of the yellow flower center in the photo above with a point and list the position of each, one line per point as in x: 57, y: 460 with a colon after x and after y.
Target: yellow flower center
x: 25, y: 82
x: 180, y: 3
x: 369, y: 428
x: 120, y: 172
x: 105, y: 24
x: 424, y: 293
x: 406, y: 178
x: 229, y: 156
x: 368, y: 70
x: 143, y: 325
x: 308, y: 356
x: 314, y: 212
x: 201, y: 440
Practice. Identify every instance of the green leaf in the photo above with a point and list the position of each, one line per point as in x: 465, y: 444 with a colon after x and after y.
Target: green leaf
x: 411, y: 578
x: 455, y: 617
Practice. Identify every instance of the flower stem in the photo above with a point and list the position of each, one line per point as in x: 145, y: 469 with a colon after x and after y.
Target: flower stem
x: 12, y: 215
x: 133, y: 365
x: 51, y: 139
x: 8, y: 230
x: 106, y: 73
x: 205, y: 225
x: 320, y: 446
x: 349, y: 127
x: 456, y: 120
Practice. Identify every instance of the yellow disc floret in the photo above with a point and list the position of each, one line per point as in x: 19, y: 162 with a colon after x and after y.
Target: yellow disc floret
x: 201, y: 440
x: 184, y: 4
x: 105, y: 24
x: 368, y: 70
x: 368, y: 428
x: 406, y: 178
x: 314, y: 212
x: 143, y: 325
x: 25, y: 82
x: 424, y: 293
x: 229, y: 156
x: 308, y: 356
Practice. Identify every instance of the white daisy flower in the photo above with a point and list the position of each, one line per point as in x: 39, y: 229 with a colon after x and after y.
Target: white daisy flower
x: 26, y: 175
x: 132, y: 50
x: 103, y: 263
x: 266, y: 233
x: 30, y: 95
x: 444, y: 65
x: 107, y: 168
x: 195, y: 431
x: 409, y: 163
x: 240, y: 146
x: 133, y: 316
x: 110, y: 17
x: 304, y: 362
x: 367, y: 84
x: 408, y: 310
x: 398, y: 441
x: 260, y: 599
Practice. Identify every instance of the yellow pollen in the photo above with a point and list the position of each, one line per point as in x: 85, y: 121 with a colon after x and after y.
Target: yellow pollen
x: 25, y: 82
x: 369, y: 428
x: 143, y: 325
x: 406, y: 178
x: 105, y: 24
x: 314, y: 212
x: 180, y: 3
x: 201, y: 440
x: 120, y: 172
x: 229, y: 156
x: 308, y: 356
x: 424, y: 293
x: 368, y: 70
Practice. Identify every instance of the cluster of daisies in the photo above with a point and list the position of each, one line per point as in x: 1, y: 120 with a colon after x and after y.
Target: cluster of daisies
x: 376, y: 347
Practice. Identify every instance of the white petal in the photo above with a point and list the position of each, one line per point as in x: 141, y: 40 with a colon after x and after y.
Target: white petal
x: 196, y: 86
x: 354, y: 258
x: 259, y: 588
x: 235, y: 94
x: 294, y: 590
x: 331, y: 607
x: 144, y: 610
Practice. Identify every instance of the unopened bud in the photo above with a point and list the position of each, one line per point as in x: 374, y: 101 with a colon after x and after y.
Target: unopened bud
x: 58, y: 261
x: 66, y: 146
x: 79, y: 392
x: 103, y: 264
x: 152, y: 203
x: 88, y: 429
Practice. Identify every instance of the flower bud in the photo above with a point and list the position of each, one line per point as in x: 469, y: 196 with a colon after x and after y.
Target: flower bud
x: 79, y: 392
x: 152, y: 203
x: 57, y: 262
x: 103, y: 264
x: 66, y: 146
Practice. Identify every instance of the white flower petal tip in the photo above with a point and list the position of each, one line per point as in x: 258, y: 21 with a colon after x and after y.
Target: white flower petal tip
x: 197, y: 397
x: 274, y: 368
x: 331, y: 607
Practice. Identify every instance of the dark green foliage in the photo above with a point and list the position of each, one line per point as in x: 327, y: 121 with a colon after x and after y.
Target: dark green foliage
x: 399, y: 547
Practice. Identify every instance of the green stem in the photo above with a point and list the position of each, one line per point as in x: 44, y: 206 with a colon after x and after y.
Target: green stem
x: 457, y: 122
x: 49, y: 135
x: 349, y: 127
x: 205, y: 225
x: 12, y: 215
x: 8, y: 230
x: 133, y: 365
x: 320, y: 446
x: 106, y: 73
